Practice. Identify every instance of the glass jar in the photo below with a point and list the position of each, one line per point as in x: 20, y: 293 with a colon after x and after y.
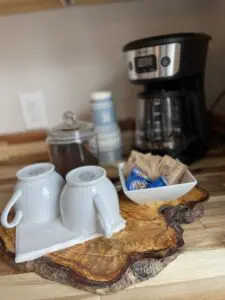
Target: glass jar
x: 69, y: 144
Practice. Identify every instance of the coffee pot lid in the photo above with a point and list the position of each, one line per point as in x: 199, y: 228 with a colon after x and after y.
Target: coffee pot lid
x: 70, y: 130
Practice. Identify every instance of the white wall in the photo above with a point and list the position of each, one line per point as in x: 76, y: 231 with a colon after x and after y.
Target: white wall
x: 68, y: 53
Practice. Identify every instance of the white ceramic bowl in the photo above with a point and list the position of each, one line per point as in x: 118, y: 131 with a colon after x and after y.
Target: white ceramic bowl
x: 165, y: 193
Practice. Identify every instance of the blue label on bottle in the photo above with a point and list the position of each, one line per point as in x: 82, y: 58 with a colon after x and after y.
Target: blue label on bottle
x: 104, y: 116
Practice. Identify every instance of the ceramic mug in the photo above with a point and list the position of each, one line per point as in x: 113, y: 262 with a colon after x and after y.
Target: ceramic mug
x: 36, y: 196
x: 89, y: 202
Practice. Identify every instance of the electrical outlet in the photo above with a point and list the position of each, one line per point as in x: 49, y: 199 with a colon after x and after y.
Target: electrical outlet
x: 33, y: 110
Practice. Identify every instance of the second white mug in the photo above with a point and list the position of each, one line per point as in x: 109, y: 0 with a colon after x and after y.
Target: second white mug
x: 89, y: 201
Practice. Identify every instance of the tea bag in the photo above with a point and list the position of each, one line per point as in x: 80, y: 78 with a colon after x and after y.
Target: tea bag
x: 131, y: 163
x: 171, y: 169
x: 153, y: 165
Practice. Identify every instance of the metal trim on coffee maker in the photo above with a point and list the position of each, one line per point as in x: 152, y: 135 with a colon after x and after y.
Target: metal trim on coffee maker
x: 171, y: 52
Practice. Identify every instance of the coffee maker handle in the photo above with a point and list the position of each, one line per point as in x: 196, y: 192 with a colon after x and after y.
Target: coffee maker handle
x: 199, y: 113
x: 5, y: 213
x: 99, y: 203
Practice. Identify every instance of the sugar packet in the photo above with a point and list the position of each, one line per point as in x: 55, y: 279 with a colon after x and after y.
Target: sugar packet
x: 134, y: 158
x: 137, y: 180
x: 153, y: 165
x: 171, y: 169
x: 140, y: 164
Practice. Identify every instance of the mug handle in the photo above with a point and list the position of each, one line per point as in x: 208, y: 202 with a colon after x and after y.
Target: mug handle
x: 99, y: 203
x: 5, y: 213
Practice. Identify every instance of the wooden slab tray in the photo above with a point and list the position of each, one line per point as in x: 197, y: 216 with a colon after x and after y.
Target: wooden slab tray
x: 151, y: 240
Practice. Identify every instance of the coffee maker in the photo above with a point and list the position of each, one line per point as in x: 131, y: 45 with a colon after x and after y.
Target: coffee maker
x: 171, y: 113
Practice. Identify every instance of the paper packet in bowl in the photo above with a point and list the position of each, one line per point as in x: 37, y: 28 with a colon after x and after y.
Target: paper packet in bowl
x: 134, y: 159
x: 153, y: 165
x: 171, y: 169
x: 137, y: 180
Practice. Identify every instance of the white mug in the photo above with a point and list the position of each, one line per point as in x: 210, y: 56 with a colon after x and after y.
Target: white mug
x: 89, y: 202
x: 36, y: 196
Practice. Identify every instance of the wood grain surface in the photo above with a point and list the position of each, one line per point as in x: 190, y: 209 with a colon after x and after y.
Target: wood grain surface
x: 198, y: 272
x: 150, y: 241
x: 94, y: 2
x: 21, y: 6
x: 204, y: 251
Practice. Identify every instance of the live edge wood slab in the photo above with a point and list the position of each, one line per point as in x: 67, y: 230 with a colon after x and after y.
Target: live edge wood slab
x: 151, y: 240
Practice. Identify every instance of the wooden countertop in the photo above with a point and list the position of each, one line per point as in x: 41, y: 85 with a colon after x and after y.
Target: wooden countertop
x: 197, y: 273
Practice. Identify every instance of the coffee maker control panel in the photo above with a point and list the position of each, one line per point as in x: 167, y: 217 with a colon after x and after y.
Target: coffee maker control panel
x: 154, y: 62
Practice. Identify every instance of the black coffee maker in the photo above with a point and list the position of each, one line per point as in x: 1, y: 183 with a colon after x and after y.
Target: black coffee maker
x: 171, y: 113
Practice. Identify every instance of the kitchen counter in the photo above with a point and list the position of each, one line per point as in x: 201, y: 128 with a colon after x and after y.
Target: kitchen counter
x: 197, y: 273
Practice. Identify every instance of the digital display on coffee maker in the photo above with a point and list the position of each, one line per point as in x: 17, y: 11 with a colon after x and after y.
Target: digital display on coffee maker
x: 145, y: 64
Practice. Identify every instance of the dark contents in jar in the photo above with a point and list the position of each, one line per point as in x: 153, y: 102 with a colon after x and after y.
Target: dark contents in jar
x: 67, y: 157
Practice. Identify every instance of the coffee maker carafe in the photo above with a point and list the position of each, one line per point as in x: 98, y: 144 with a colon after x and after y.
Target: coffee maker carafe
x: 171, y: 114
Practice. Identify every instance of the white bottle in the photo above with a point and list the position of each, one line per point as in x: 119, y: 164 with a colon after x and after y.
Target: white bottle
x: 106, y: 127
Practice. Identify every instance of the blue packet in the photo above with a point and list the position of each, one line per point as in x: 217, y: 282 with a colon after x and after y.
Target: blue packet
x: 161, y: 181
x: 137, y: 180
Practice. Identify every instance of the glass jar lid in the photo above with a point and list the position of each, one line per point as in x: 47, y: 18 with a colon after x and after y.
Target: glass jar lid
x: 71, y: 130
